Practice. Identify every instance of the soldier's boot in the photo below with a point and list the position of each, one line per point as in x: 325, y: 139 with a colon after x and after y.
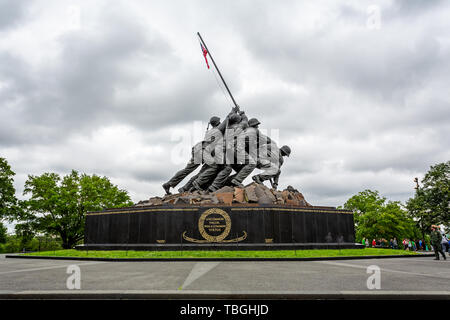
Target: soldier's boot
x: 237, y: 184
x: 181, y: 190
x: 257, y: 179
x: 211, y: 189
x: 166, y: 187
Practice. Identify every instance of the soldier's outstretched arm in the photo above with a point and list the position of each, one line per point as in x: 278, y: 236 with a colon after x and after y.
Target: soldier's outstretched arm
x: 243, y: 116
x: 222, y: 126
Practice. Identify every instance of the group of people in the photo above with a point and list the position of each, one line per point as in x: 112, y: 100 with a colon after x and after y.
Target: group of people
x: 235, y: 144
x: 438, y: 239
x: 381, y: 243
x: 414, y: 245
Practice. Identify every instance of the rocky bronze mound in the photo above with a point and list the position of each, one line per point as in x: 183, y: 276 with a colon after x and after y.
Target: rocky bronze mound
x: 252, y: 193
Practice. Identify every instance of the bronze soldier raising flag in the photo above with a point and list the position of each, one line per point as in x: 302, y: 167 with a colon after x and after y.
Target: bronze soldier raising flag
x: 234, y: 144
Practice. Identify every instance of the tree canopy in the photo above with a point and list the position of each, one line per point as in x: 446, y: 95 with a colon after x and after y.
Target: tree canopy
x: 431, y: 202
x: 3, y: 233
x: 376, y: 218
x: 58, y: 204
x: 8, y: 200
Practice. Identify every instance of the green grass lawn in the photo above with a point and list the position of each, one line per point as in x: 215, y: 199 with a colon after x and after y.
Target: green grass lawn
x: 223, y: 254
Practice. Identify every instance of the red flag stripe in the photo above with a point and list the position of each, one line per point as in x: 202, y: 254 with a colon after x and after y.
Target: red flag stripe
x: 205, y: 52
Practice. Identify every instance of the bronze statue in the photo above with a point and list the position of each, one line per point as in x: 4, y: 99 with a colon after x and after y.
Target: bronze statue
x: 234, y: 144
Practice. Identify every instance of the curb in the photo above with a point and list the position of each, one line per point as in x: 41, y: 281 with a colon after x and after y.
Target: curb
x: 20, y: 256
x: 177, y: 295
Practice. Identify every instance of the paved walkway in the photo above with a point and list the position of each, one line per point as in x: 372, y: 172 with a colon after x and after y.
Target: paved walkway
x: 398, y: 276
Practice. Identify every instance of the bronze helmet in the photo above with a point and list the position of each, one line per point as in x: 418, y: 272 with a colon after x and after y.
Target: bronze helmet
x: 214, y: 121
x: 286, y: 150
x: 253, y: 122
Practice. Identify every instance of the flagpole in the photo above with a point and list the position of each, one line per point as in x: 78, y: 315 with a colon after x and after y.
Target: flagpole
x: 218, y: 71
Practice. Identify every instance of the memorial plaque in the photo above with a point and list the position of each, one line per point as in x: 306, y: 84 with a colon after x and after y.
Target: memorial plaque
x: 214, y: 225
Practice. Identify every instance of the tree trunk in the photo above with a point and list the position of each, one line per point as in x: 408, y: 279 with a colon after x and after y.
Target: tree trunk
x: 65, y: 240
x: 70, y: 242
x: 66, y: 245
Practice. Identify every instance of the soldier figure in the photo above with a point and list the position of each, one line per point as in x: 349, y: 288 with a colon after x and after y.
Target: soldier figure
x: 271, y: 165
x: 436, y: 238
x: 249, y: 141
x: 196, y: 159
x: 213, y: 174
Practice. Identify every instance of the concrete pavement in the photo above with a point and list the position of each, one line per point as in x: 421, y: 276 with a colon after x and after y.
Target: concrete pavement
x: 407, y: 276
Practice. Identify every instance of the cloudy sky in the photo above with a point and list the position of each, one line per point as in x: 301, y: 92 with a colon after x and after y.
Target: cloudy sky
x: 359, y: 90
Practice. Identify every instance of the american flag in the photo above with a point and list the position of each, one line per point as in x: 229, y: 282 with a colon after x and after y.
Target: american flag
x: 205, y: 52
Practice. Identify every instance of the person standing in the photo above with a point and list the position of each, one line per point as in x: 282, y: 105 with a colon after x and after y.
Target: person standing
x: 436, y: 239
x: 444, y: 243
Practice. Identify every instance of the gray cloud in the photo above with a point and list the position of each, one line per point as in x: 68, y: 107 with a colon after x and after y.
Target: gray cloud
x: 360, y: 108
x: 11, y: 13
x: 83, y: 88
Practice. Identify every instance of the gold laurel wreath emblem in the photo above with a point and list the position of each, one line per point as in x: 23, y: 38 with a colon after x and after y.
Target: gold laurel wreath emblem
x: 209, y: 238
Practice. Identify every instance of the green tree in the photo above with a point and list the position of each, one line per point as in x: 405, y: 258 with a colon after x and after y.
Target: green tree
x: 17, y: 243
x: 431, y: 202
x: 3, y: 233
x: 8, y: 200
x: 12, y: 245
x: 25, y: 234
x: 423, y: 217
x: 377, y: 218
x: 364, y: 202
x: 58, y: 205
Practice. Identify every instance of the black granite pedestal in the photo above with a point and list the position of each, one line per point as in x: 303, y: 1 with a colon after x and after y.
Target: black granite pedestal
x: 219, y: 227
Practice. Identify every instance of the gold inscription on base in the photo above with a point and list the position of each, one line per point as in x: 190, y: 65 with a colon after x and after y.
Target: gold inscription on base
x: 214, y: 225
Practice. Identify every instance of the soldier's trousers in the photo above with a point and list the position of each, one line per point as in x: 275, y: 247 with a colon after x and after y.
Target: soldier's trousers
x: 207, y: 174
x: 183, y: 173
x: 189, y: 185
x: 437, y: 250
x: 213, y: 176
x: 270, y: 171
x: 221, y: 178
x: 243, y: 171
